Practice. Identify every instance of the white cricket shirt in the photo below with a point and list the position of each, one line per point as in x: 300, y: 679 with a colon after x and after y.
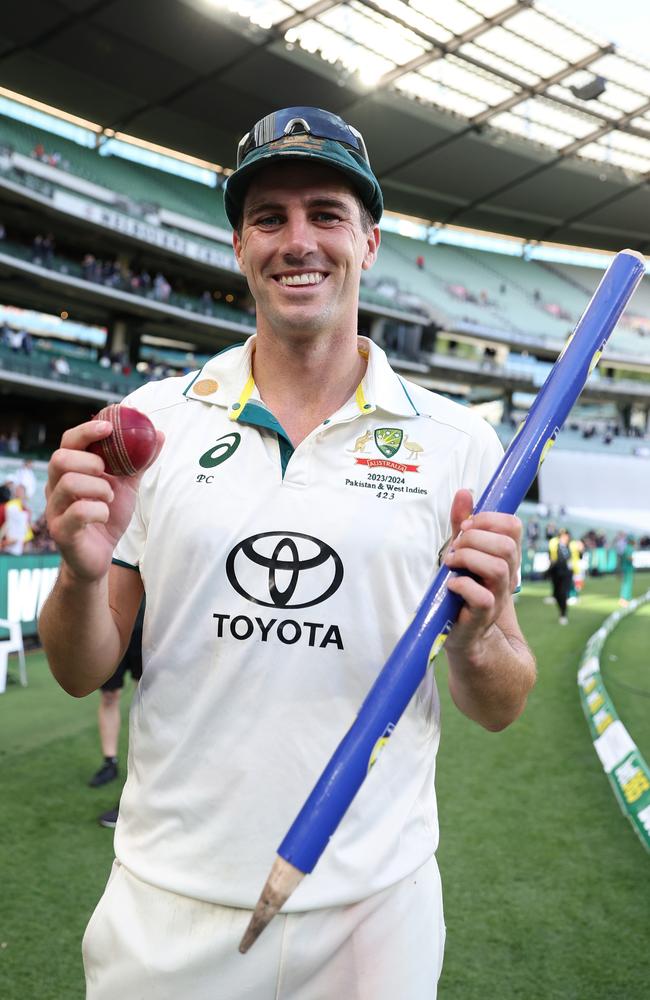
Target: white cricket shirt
x: 278, y: 582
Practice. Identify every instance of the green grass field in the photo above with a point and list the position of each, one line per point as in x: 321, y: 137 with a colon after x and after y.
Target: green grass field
x: 546, y: 885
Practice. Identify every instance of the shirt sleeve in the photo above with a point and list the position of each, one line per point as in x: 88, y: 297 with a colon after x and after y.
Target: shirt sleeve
x: 130, y: 548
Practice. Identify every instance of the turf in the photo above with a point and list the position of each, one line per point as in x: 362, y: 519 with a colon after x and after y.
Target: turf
x: 54, y: 856
x: 546, y: 885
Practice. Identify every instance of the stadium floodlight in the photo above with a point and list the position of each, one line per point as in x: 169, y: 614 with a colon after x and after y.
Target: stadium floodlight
x: 590, y: 91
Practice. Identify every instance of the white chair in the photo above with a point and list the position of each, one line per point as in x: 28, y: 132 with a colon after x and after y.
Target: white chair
x: 14, y: 644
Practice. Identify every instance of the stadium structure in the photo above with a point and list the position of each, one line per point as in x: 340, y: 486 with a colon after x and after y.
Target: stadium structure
x: 513, y: 148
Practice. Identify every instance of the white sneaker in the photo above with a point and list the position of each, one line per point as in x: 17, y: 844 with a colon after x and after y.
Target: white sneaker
x: 572, y: 600
x: 563, y: 620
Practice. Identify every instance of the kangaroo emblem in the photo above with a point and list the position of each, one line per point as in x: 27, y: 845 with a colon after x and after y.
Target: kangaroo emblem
x: 362, y: 441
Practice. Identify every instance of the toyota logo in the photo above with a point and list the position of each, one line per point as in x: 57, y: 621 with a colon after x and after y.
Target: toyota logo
x: 284, y: 569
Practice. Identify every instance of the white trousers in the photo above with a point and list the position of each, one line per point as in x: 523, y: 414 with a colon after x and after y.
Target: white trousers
x: 144, y: 943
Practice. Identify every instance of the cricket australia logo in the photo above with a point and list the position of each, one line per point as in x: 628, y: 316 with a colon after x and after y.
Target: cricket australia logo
x: 388, y: 441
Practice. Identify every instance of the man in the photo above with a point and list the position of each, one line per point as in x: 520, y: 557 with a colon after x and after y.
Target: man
x: 25, y: 477
x: 560, y: 572
x: 283, y: 538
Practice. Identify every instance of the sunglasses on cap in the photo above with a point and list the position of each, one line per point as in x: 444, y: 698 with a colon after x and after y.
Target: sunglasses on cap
x: 301, y: 121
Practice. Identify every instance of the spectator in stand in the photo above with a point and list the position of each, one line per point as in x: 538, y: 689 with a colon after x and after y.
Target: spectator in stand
x: 28, y: 343
x: 17, y: 529
x: 4, y: 444
x: 60, y: 366
x: 12, y: 540
x: 560, y: 572
x: 37, y: 250
x: 532, y: 532
x: 47, y: 247
x: 16, y: 339
x: 88, y: 267
x: 161, y: 288
x: 5, y: 497
x: 25, y: 477
x: 13, y: 444
x: 420, y: 262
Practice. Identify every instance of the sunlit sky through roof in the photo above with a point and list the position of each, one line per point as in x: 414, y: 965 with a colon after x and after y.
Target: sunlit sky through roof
x: 625, y: 22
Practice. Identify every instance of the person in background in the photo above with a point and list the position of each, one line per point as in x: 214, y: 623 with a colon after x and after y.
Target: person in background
x: 14, y: 528
x: 108, y: 713
x: 627, y: 571
x: 18, y: 503
x: 577, y: 547
x: 24, y: 476
x: 560, y: 572
x: 5, y: 496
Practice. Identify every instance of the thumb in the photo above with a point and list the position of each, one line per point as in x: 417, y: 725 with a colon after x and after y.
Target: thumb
x: 461, y: 507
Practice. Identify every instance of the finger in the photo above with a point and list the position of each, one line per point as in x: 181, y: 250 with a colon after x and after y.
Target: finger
x: 73, y: 486
x: 461, y: 508
x: 478, y: 599
x: 492, y: 571
x: 82, y: 435
x: 76, y: 518
x: 501, y: 524
x: 65, y: 460
x: 499, y: 545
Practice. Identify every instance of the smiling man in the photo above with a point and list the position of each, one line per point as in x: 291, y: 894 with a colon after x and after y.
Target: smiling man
x: 301, y: 501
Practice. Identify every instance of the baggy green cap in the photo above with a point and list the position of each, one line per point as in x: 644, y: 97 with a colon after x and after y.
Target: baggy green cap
x: 307, y: 147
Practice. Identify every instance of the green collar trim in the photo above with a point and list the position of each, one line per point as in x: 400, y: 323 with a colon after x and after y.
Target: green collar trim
x: 258, y: 415
x: 415, y: 410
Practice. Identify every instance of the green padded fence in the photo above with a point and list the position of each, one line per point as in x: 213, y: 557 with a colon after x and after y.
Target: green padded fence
x: 623, y: 763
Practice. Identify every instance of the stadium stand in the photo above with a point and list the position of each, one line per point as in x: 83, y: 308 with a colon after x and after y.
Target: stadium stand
x: 134, y: 181
x: 498, y: 316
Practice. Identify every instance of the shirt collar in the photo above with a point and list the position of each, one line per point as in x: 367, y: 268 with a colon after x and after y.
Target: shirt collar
x: 227, y: 380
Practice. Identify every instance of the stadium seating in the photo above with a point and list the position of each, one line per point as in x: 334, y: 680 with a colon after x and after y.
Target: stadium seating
x: 85, y: 373
x: 138, y: 182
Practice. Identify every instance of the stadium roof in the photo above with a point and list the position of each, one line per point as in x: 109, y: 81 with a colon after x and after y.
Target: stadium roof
x: 487, y: 113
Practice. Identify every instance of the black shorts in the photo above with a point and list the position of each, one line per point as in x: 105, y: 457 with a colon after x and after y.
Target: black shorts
x: 132, y: 659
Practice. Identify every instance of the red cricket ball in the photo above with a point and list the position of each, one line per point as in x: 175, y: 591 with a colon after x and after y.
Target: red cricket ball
x: 130, y: 447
